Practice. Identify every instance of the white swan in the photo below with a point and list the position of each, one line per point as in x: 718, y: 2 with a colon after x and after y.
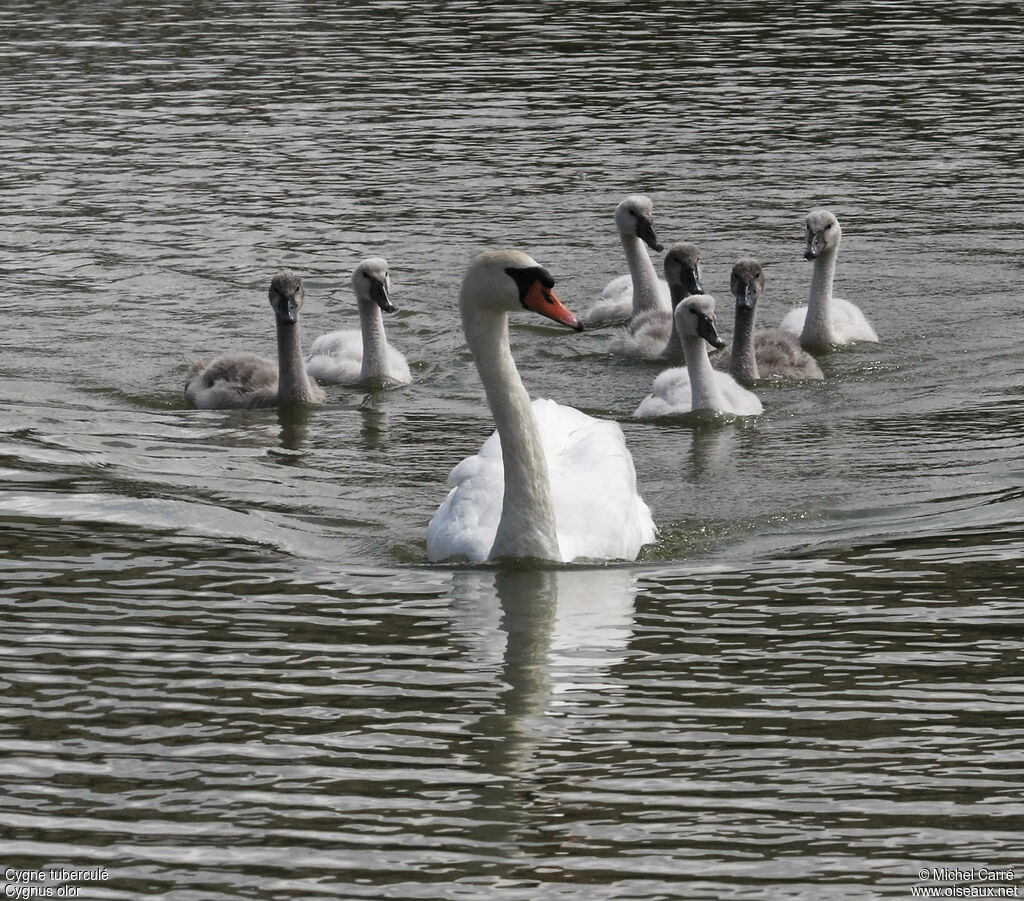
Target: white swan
x: 551, y: 483
x: 826, y: 320
x: 696, y: 386
x: 640, y: 289
x: 242, y: 380
x: 652, y: 334
x: 760, y: 353
x: 351, y: 356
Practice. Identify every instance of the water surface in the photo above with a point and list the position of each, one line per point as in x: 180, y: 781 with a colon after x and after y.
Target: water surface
x: 230, y: 671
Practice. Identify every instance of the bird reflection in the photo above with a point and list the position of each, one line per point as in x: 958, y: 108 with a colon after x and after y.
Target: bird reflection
x: 713, y: 451
x: 553, y: 636
x: 294, y: 421
x: 373, y: 430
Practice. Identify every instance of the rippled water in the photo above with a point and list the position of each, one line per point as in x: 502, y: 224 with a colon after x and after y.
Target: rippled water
x: 229, y: 671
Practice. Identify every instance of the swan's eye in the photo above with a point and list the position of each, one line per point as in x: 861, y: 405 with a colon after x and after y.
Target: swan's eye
x: 828, y: 225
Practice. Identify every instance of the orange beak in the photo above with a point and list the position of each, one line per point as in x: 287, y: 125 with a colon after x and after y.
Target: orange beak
x: 543, y: 300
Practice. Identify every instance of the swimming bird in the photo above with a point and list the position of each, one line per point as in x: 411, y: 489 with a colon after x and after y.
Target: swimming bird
x: 550, y: 483
x: 695, y: 386
x: 826, y: 320
x: 243, y: 380
x: 640, y: 289
x: 760, y: 353
x: 353, y: 356
x: 652, y: 333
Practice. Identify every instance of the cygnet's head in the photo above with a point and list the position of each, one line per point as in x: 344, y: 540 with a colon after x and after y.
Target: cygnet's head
x: 510, y: 280
x: 682, y: 269
x: 695, y: 317
x: 823, y: 233
x: 371, y: 282
x: 747, y: 283
x: 635, y: 217
x: 287, y: 294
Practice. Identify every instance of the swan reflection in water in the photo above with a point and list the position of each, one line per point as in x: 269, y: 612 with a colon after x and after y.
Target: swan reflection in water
x: 553, y: 638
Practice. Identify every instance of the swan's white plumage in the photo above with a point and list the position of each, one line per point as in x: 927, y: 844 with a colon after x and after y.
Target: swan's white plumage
x: 826, y: 320
x: 567, y: 488
x: 352, y: 356
x: 616, y: 303
x: 337, y: 359
x: 849, y: 323
x: 600, y: 515
x: 695, y: 386
x: 672, y: 395
x: 626, y: 296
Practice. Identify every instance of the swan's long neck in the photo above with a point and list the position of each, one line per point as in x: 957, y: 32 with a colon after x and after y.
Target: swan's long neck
x: 375, y: 344
x: 704, y: 392
x: 743, y: 364
x: 292, y: 382
x: 818, y: 324
x: 641, y: 271
x: 674, y: 349
x: 527, y: 525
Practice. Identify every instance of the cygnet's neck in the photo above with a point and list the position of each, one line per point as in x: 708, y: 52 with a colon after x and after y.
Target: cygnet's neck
x: 704, y: 392
x: 674, y: 349
x: 817, y: 329
x: 743, y: 363
x: 527, y: 525
x: 641, y: 271
x: 375, y: 343
x: 292, y: 382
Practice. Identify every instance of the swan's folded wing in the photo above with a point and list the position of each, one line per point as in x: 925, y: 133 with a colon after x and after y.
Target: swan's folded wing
x: 337, y: 357
x: 645, y: 337
x: 233, y: 380
x: 737, y: 400
x: 670, y: 395
x: 464, y: 526
x: 780, y: 355
x: 598, y: 510
x: 850, y: 323
x: 793, y: 321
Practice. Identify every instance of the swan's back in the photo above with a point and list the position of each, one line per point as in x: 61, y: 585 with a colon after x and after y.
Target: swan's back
x: 336, y: 357
x: 599, y: 513
x: 779, y: 355
x: 646, y: 336
x: 615, y: 305
x: 848, y: 322
x: 234, y: 380
x: 672, y: 395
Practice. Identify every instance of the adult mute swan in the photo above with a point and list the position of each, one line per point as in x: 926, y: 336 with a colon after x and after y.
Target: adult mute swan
x: 765, y: 353
x: 826, y: 320
x: 640, y: 289
x: 243, y: 380
x: 351, y: 356
x: 652, y: 334
x: 696, y: 386
x: 551, y: 483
